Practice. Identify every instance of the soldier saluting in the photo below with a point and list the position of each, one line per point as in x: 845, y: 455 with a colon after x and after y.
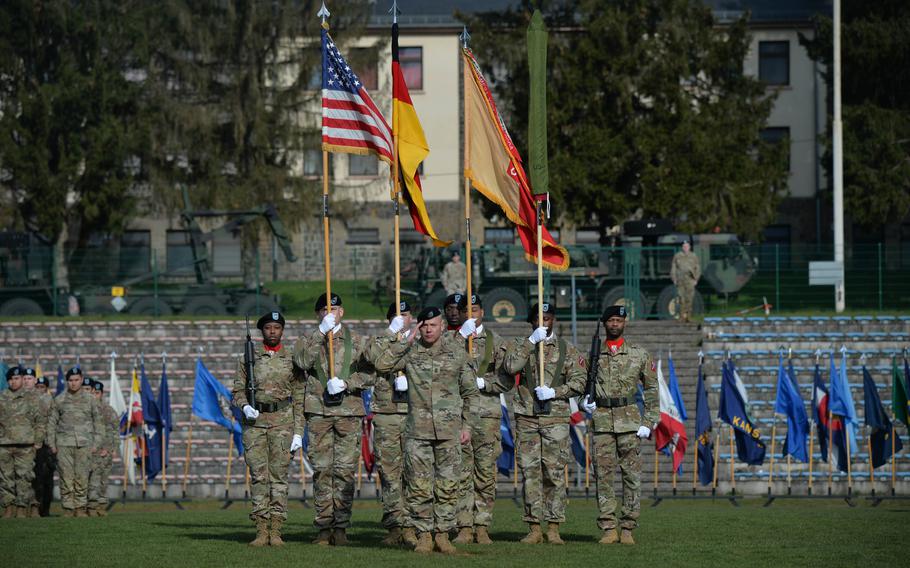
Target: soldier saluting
x: 272, y: 426
x: 618, y: 425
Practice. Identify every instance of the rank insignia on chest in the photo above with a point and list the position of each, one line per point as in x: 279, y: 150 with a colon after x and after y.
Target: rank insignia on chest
x: 614, y: 349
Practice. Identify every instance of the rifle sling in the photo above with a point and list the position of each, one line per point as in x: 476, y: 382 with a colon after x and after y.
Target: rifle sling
x: 346, y: 362
x: 560, y: 363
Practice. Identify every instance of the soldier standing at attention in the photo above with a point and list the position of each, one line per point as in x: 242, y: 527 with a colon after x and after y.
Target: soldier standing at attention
x: 618, y: 425
x: 75, y: 429
x: 45, y: 463
x: 103, y: 457
x: 29, y: 382
x: 21, y: 434
x: 334, y: 413
x: 477, y: 491
x: 388, y: 436
x: 272, y: 430
x: 454, y: 274
x: 542, y: 440
x: 441, y: 384
x: 685, y: 272
x: 452, y: 309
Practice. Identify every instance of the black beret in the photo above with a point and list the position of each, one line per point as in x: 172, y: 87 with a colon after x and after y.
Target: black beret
x: 456, y: 299
x: 43, y: 381
x: 548, y: 308
x: 13, y: 371
x: 428, y: 314
x: 30, y: 372
x: 320, y: 303
x: 270, y: 317
x: 475, y: 301
x: 614, y: 311
x: 390, y: 313
x: 77, y: 370
x: 98, y: 386
x: 86, y: 381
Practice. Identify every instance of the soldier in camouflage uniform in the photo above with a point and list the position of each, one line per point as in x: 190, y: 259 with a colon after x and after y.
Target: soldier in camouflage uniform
x: 685, y: 272
x: 103, y: 457
x: 451, y: 307
x: 440, y: 380
x: 388, y: 434
x: 618, y: 424
x: 477, y: 488
x: 21, y: 434
x: 542, y: 439
x: 75, y: 429
x: 454, y: 274
x: 29, y: 381
x: 272, y: 429
x: 334, y: 427
x: 45, y: 463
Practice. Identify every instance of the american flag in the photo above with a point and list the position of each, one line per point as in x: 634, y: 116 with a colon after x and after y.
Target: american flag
x: 350, y: 120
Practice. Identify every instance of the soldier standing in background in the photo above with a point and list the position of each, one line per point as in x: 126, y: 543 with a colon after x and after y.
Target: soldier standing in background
x: 685, y: 272
x: 477, y: 491
x: 441, y: 383
x: 272, y: 430
x: 75, y: 429
x: 21, y: 434
x: 542, y: 440
x: 334, y: 426
x: 29, y: 382
x: 452, y: 309
x: 45, y: 462
x: 619, y: 426
x: 103, y: 457
x: 454, y: 275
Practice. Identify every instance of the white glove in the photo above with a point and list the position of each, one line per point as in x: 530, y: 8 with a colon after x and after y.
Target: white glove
x: 589, y: 405
x: 327, y: 324
x: 396, y: 325
x: 250, y: 412
x: 468, y: 328
x: 296, y: 443
x: 539, y: 335
x: 401, y: 383
x: 480, y: 382
x: 644, y: 432
x: 335, y: 386
x: 544, y: 393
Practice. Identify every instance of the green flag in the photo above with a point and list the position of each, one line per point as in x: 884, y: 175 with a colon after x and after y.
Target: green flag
x: 898, y: 394
x: 537, y: 113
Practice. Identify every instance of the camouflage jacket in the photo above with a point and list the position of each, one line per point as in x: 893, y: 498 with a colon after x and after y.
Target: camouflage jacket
x: 311, y: 356
x: 521, y: 362
x: 277, y: 380
x: 618, y: 375
x: 111, y: 434
x: 685, y: 266
x: 381, y: 401
x: 440, y: 384
x: 487, y: 405
x: 44, y: 402
x: 75, y: 420
x: 21, y: 420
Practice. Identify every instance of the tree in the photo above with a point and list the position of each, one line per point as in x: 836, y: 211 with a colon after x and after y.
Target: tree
x: 649, y: 112
x: 875, y: 46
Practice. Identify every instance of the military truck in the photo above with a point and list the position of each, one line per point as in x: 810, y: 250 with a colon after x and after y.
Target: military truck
x: 26, y: 276
x: 633, y: 272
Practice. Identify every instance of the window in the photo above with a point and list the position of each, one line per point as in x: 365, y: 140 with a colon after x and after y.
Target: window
x: 366, y: 68
x: 774, y: 62
x: 179, y: 252
x: 312, y: 162
x: 776, y: 135
x: 363, y: 165
x: 498, y: 236
x: 135, y: 253
x: 410, y: 59
x: 363, y: 236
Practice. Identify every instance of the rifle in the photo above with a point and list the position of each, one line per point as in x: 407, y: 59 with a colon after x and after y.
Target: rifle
x: 249, y: 363
x: 591, y: 384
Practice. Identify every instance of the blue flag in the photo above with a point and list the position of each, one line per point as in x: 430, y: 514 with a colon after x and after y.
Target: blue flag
x: 152, y: 425
x: 703, y: 432
x: 877, y: 419
x: 61, y: 381
x: 3, y: 369
x: 790, y: 404
x: 673, y: 385
x: 506, y: 459
x: 837, y: 425
x: 207, y: 392
x: 164, y: 411
x: 841, y: 400
x: 749, y: 447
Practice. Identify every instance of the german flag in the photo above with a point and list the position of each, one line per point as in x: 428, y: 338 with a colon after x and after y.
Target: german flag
x: 412, y: 147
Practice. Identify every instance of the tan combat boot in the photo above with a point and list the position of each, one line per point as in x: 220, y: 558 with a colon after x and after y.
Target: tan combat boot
x: 610, y: 537
x: 409, y: 537
x: 424, y: 543
x: 339, y: 538
x: 482, y: 536
x: 324, y: 537
x: 101, y: 511
x: 534, y: 535
x: 69, y: 513
x: 21, y: 512
x: 553, y: 534
x: 393, y: 538
x: 33, y: 512
x: 8, y: 512
x: 443, y: 545
x: 626, y: 537
x: 262, y: 533
x: 275, y: 532
x: 465, y: 536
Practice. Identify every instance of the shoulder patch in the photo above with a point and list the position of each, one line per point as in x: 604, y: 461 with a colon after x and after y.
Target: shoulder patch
x: 582, y: 362
x: 653, y: 366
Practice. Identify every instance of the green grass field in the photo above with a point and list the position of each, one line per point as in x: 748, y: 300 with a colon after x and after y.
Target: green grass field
x: 676, y: 533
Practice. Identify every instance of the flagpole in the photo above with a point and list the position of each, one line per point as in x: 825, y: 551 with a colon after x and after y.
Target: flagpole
x: 655, y: 470
x: 771, y: 467
x: 326, y: 253
x: 186, y: 459
x: 246, y: 480
x: 302, y: 476
x: 716, y: 460
x: 164, y: 462
x: 893, y: 457
x: 793, y: 378
x: 227, y: 476
x: 811, y: 440
x: 587, y: 463
x: 467, y: 191
x: 871, y: 468
x: 732, y: 476
x: 695, y: 457
x: 396, y: 176
x: 128, y: 454
x: 140, y: 443
x: 830, y: 448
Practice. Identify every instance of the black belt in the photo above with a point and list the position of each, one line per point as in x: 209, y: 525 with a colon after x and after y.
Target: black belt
x: 615, y: 402
x: 273, y: 406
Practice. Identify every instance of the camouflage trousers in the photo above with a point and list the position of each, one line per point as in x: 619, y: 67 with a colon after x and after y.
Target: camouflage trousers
x: 333, y: 450
x: 431, y: 472
x: 43, y: 485
x: 267, y: 454
x: 686, y: 291
x: 542, y: 446
x: 74, y: 465
x: 610, y: 450
x: 388, y: 446
x: 17, y: 469
x: 97, y: 483
x: 477, y: 486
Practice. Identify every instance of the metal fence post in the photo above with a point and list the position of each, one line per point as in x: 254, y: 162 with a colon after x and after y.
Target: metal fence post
x: 881, y: 299
x: 777, y: 276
